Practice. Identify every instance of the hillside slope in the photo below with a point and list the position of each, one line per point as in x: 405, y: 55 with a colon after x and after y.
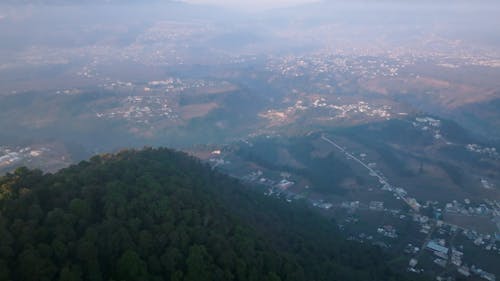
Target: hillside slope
x: 157, y: 214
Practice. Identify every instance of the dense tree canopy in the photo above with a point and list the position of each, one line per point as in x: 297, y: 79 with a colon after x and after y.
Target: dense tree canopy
x: 157, y: 214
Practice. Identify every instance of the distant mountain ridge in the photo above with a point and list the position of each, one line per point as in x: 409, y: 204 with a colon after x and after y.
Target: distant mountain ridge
x: 82, y: 2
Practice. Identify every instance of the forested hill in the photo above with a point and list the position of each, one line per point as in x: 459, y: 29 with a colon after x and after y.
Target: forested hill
x: 157, y: 214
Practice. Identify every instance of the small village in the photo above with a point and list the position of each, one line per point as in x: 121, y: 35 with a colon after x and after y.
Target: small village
x: 446, y: 244
x: 334, y: 111
x: 141, y: 109
x: 45, y: 156
x: 13, y: 155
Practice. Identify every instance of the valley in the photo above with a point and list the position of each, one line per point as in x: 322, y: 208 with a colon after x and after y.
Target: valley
x: 385, y: 122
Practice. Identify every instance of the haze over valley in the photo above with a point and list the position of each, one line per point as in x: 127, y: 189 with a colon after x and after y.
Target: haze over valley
x: 382, y: 116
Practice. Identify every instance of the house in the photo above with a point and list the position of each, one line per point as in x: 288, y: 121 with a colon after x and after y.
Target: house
x: 432, y: 245
x: 284, y: 184
x: 413, y: 262
x: 464, y: 270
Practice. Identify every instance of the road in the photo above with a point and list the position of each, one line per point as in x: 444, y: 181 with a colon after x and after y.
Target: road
x: 381, y: 179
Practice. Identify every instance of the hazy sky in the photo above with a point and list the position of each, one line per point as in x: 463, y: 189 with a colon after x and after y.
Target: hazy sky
x: 253, y: 4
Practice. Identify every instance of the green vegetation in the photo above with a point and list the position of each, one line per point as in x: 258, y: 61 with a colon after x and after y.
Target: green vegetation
x: 325, y: 173
x: 157, y: 214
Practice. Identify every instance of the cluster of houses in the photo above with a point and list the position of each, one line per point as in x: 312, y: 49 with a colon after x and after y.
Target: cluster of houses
x: 141, y: 109
x: 456, y: 207
x: 388, y: 231
x: 490, y: 151
x: 10, y: 156
x: 320, y: 63
x: 443, y: 256
x: 429, y: 124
